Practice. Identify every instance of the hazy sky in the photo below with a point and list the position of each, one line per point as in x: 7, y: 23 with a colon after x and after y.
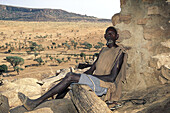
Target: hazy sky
x: 97, y: 8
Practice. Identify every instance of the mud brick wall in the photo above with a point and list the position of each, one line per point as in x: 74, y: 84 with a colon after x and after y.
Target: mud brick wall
x: 144, y: 29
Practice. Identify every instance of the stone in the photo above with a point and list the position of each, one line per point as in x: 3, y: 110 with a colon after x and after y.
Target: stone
x: 163, y: 60
x: 86, y: 101
x: 166, y: 44
x: 116, y: 19
x: 42, y: 110
x: 125, y: 18
x: 4, y: 104
x: 51, y: 106
x: 48, y: 83
x: 142, y: 21
x: 153, y: 10
x: 148, y: 1
x: 157, y: 100
x: 162, y: 80
x: 125, y: 34
x: 151, y: 33
x: 122, y: 2
x: 165, y: 72
x: 27, y: 86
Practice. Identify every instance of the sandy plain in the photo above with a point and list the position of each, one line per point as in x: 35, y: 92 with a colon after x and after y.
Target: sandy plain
x: 19, y: 34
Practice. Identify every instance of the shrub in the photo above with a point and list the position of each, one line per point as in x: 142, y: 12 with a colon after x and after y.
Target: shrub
x: 3, y: 68
x: 39, y: 60
x: 59, y: 61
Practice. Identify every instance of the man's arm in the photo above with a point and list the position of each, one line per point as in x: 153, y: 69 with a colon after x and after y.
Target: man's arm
x: 114, y: 72
x: 91, y: 70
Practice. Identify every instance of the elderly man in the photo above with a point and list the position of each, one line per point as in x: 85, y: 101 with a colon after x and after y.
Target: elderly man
x: 104, y: 77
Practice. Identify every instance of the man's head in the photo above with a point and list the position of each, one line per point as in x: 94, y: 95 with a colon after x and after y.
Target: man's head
x: 111, y: 36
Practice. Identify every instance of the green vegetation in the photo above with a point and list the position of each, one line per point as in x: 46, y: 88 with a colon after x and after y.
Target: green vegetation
x: 3, y: 68
x: 59, y: 61
x: 15, y: 61
x: 39, y: 60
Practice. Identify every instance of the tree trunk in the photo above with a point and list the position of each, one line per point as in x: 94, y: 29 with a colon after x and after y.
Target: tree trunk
x: 87, y: 101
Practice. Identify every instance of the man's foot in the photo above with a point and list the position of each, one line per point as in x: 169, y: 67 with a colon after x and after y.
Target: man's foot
x: 28, y: 103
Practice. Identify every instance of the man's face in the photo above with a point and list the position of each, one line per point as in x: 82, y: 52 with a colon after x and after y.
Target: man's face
x: 110, y: 37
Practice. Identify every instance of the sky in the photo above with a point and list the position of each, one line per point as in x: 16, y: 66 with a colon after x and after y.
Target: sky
x: 97, y: 8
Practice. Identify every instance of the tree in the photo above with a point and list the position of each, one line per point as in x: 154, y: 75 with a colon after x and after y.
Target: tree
x: 63, y: 59
x: 83, y: 55
x: 69, y: 58
x: 18, y: 69
x: 39, y: 60
x: 39, y: 48
x: 97, y: 47
x: 95, y: 55
x: 51, y: 58
x: 3, y: 68
x: 59, y: 61
x: 28, y: 52
x: 15, y: 61
x: 100, y: 44
x: 9, y: 51
x: 35, y: 54
x: 53, y: 43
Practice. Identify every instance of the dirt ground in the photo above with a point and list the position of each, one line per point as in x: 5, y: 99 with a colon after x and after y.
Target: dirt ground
x: 19, y: 34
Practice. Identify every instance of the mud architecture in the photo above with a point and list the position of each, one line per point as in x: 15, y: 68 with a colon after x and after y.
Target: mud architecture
x: 144, y: 27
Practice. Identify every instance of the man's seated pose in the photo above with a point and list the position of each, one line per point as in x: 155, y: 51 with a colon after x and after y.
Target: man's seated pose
x: 105, y: 76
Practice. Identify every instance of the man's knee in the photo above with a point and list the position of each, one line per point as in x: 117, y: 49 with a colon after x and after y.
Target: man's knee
x: 69, y: 76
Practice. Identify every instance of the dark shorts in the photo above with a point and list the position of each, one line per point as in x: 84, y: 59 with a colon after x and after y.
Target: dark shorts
x: 93, y: 83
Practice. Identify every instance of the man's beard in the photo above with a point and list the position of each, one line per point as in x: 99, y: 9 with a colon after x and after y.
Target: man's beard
x: 109, y: 42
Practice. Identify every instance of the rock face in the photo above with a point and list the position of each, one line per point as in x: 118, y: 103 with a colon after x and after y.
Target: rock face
x: 144, y: 27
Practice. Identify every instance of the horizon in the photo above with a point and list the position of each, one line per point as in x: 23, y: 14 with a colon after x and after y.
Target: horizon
x: 79, y: 7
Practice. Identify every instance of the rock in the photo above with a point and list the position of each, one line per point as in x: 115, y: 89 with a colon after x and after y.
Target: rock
x: 163, y: 59
x: 4, y: 105
x: 51, y: 106
x: 125, y: 34
x: 87, y: 101
x: 157, y: 100
x: 116, y: 19
x: 122, y: 2
x: 153, y: 10
x: 165, y: 75
x: 165, y: 72
x: 142, y: 21
x: 152, y: 33
x: 162, y: 80
x: 51, y: 81
x: 166, y: 44
x: 125, y: 18
x: 27, y: 86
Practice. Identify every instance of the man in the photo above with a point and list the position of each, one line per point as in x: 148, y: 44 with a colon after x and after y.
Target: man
x: 104, y: 77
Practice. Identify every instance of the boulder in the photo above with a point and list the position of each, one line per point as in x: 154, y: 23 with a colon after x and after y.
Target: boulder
x: 51, y: 106
x: 48, y: 83
x: 27, y: 86
x: 86, y: 101
x: 4, y: 105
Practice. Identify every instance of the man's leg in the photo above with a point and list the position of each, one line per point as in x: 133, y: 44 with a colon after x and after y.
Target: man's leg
x: 58, y: 89
x: 62, y: 95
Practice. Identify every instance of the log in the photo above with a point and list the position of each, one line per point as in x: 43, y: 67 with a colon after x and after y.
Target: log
x: 87, y: 101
